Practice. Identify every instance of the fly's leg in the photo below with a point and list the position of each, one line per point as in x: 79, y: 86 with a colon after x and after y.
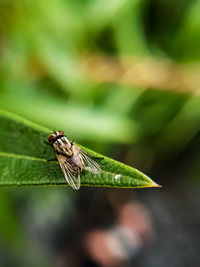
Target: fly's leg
x: 46, y: 143
x: 49, y: 160
x: 96, y: 157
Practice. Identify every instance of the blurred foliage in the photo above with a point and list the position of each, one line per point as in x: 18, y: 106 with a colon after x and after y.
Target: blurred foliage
x: 41, y: 78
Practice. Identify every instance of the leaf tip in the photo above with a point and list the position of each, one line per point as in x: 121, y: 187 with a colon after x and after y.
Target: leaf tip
x: 153, y: 184
x: 157, y: 185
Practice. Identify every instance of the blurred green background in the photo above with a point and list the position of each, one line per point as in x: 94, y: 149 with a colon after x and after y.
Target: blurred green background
x: 150, y: 120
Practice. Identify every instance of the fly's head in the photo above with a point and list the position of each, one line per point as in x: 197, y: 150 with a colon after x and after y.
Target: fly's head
x: 54, y: 136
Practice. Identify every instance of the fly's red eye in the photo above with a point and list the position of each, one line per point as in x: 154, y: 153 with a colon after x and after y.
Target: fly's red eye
x: 61, y: 133
x: 51, y: 138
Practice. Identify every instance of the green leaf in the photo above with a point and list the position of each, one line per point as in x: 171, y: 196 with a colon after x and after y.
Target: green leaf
x: 24, y: 155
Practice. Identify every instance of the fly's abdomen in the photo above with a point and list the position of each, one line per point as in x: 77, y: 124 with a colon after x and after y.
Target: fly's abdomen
x: 74, y: 165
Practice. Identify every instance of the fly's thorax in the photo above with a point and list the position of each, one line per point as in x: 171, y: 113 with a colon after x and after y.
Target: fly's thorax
x: 63, y: 146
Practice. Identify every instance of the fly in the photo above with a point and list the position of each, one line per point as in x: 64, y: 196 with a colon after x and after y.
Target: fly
x: 72, y: 159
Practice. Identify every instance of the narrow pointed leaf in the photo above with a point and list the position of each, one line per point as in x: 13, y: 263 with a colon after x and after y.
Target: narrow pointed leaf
x: 24, y: 159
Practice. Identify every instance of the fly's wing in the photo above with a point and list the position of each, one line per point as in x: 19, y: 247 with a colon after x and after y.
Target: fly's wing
x: 88, y: 162
x: 72, y: 177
